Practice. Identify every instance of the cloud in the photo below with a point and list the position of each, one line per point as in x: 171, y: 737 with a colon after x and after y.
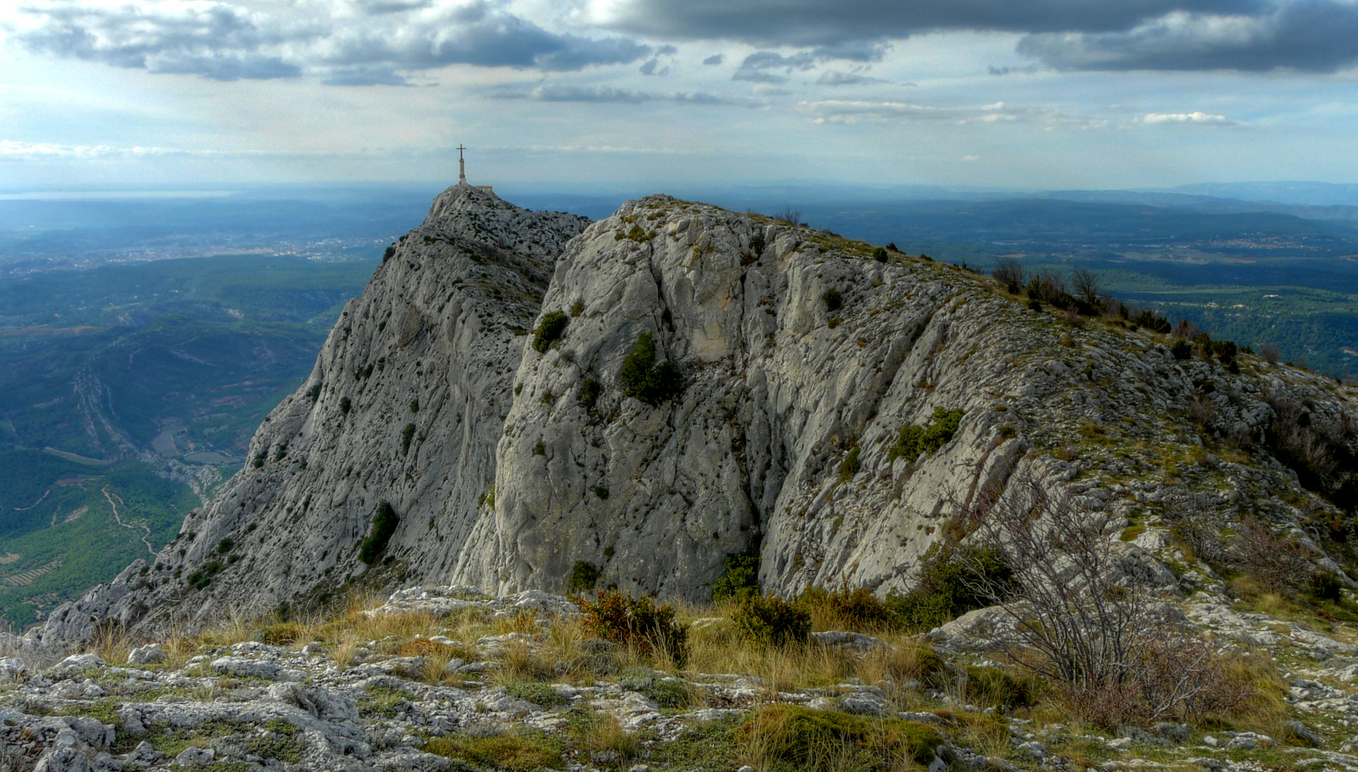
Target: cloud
x: 714, y: 59
x: 1026, y: 70
x: 773, y: 67
x: 214, y: 40
x: 837, y: 78
x: 756, y: 67
x: 818, y: 23
x: 14, y: 151
x: 1305, y: 35
x: 1204, y: 118
x: 348, y: 42
x: 567, y: 93
x: 854, y: 111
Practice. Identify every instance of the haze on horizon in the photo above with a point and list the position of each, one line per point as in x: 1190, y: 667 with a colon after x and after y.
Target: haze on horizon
x: 984, y: 93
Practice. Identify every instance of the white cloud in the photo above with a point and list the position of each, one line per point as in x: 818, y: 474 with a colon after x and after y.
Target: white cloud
x: 1196, y: 117
x: 854, y: 111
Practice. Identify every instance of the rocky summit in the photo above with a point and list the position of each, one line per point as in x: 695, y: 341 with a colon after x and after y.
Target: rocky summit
x: 524, y: 403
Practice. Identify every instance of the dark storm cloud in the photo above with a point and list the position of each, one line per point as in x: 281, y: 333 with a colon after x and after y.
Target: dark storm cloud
x: 822, y: 23
x: 222, y: 41
x: 1309, y: 36
x: 1247, y: 35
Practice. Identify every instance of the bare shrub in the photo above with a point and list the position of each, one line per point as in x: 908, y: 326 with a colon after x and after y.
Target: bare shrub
x: 1010, y: 273
x: 1270, y: 353
x: 1279, y: 565
x: 789, y: 216
x: 1187, y: 330
x: 1085, y: 286
x: 1048, y: 287
x: 1193, y: 523
x: 1087, y: 621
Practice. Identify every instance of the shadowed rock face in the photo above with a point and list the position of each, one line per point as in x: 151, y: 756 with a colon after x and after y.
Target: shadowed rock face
x: 779, y: 444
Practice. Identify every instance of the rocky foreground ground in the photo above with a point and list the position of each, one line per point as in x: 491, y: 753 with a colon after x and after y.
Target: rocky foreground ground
x: 452, y: 679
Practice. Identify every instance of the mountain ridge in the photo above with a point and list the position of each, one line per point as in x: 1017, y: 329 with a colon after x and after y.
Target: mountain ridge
x: 431, y: 396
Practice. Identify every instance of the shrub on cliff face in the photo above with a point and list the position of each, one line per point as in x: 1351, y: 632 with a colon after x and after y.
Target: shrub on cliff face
x: 740, y: 581
x: 833, y: 299
x: 647, y: 381
x: 384, y: 525
x: 549, y: 331
x: 583, y: 577
x: 915, y: 439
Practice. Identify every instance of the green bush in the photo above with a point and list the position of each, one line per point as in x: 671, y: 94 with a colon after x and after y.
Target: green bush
x: 772, y: 621
x: 549, y: 330
x: 833, y: 300
x: 203, y: 576
x: 740, y: 581
x: 879, y: 254
x: 584, y: 576
x: 643, y: 379
x: 950, y: 584
x: 635, y: 621
x: 850, y: 465
x: 590, y: 390
x: 915, y: 439
x: 1324, y: 586
x: 225, y: 545
x: 314, y: 392
x: 407, y: 434
x: 1181, y: 349
x: 384, y: 525
x: 345, y: 405
x: 757, y: 244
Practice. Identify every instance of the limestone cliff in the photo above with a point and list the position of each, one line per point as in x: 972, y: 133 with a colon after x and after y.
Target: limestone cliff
x: 804, y: 358
x: 405, y: 405
x: 801, y: 358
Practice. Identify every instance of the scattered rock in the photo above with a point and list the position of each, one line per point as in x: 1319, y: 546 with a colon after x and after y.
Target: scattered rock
x: 149, y: 654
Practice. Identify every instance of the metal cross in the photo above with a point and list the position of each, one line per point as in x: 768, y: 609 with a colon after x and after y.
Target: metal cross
x: 460, y: 148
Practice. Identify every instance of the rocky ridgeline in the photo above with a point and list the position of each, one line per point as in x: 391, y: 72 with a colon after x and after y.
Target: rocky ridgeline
x: 481, y: 388
x: 384, y: 705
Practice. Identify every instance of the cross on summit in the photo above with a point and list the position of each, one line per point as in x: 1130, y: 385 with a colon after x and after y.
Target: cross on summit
x: 461, y: 166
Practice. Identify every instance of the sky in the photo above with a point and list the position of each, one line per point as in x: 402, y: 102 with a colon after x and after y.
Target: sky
x: 1038, y: 94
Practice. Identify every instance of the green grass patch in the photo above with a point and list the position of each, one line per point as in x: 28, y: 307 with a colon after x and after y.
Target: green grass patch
x: 514, y: 753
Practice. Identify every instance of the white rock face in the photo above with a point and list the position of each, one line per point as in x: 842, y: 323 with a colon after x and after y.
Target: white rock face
x: 757, y: 455
x: 429, y: 391
x: 433, y: 344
